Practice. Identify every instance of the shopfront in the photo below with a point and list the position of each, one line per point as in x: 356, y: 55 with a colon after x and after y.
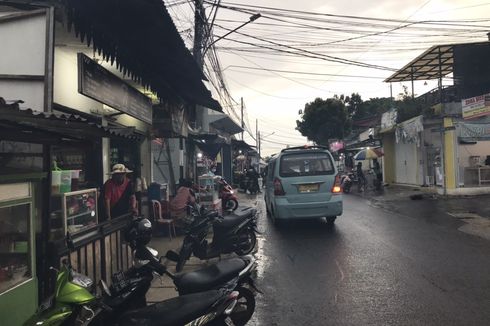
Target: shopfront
x: 474, y: 154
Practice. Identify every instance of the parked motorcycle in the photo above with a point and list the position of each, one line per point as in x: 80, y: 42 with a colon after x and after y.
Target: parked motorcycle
x: 229, y: 199
x: 234, y: 233
x: 74, y: 304
x: 147, y: 262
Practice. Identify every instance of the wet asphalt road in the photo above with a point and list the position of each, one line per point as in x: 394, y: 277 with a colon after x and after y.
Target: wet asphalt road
x: 374, y: 267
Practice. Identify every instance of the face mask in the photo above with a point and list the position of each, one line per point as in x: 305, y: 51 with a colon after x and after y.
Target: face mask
x: 118, y: 178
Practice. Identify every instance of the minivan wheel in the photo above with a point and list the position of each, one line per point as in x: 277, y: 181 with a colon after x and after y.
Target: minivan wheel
x: 331, y: 219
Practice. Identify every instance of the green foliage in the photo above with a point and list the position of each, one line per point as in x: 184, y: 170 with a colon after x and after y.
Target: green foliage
x: 332, y: 118
x: 324, y: 119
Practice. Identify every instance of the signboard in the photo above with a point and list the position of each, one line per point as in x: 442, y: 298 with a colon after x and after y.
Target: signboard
x: 474, y: 131
x: 101, y: 85
x: 475, y: 107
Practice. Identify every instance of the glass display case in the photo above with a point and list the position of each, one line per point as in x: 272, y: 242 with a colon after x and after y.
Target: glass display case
x: 15, y: 235
x: 79, y: 210
x: 208, y: 189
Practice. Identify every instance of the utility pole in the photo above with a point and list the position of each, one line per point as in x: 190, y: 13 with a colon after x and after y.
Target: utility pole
x: 241, y: 106
x: 193, y: 111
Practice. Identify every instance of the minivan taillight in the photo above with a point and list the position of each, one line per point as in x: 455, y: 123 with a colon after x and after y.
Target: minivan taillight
x: 337, y: 189
x: 278, y: 189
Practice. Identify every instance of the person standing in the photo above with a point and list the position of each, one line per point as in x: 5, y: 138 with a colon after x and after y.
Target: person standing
x: 118, y: 193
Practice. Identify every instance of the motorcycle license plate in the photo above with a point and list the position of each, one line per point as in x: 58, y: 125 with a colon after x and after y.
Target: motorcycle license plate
x: 308, y: 188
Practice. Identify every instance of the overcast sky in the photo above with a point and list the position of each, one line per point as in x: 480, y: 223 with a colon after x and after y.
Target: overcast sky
x: 277, y: 78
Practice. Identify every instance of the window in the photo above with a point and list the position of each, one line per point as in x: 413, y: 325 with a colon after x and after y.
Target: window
x: 305, y: 164
x: 270, y: 171
x: 15, y: 246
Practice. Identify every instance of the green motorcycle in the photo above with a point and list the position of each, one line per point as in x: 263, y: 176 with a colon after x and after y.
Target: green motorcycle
x: 70, y: 303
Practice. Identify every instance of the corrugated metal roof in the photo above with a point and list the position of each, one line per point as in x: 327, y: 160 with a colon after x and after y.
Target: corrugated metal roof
x: 434, y: 63
x: 70, y: 125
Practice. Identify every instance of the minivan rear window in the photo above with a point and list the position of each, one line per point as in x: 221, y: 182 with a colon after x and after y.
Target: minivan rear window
x: 304, y: 164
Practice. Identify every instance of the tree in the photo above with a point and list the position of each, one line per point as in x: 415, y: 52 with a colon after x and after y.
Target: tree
x: 322, y: 120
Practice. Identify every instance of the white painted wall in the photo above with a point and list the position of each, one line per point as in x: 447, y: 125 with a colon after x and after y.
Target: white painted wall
x: 23, y: 43
x: 31, y: 92
x: 23, y: 46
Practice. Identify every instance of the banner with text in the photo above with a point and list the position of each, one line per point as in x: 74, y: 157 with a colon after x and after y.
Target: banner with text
x: 475, y: 107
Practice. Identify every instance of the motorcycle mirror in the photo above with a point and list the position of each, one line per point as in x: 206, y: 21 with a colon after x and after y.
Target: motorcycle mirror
x: 172, y: 255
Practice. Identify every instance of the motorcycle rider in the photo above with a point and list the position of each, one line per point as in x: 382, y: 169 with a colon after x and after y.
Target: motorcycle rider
x: 253, y: 177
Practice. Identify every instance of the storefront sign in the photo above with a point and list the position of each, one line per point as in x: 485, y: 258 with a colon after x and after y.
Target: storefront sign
x: 101, y: 85
x: 475, y: 107
x: 474, y: 131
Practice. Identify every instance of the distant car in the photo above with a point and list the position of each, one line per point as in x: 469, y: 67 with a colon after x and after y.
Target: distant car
x: 303, y: 182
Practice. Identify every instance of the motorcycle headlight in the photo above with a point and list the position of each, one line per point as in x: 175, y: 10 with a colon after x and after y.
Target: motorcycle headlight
x: 232, y: 192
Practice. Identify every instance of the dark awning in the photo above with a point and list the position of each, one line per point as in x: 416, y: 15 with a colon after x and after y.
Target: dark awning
x: 43, y: 127
x: 240, y: 144
x: 227, y: 125
x: 209, y: 144
x: 140, y: 36
x: 434, y: 63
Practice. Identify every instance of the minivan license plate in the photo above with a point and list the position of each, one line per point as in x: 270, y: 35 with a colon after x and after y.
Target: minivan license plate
x: 308, y: 188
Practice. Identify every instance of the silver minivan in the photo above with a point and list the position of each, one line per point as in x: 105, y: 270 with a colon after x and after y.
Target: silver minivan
x: 303, y: 182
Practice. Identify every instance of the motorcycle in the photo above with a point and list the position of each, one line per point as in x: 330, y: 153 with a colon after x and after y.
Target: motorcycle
x: 147, y: 263
x: 208, y: 278
x: 228, y: 197
x: 346, y: 182
x: 73, y: 304
x: 234, y: 233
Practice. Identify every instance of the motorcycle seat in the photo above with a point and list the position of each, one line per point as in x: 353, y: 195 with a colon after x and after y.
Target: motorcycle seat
x: 176, y: 311
x: 209, y: 277
x: 247, y: 211
x: 229, y: 222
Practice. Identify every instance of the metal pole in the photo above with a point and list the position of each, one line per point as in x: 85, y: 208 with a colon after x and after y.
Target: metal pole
x: 443, y: 141
x: 411, y: 76
x: 241, y: 106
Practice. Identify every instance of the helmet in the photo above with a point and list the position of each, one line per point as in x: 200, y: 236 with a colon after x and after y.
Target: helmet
x: 139, y: 232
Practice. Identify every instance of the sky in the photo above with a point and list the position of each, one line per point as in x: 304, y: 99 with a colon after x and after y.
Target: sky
x: 290, y: 55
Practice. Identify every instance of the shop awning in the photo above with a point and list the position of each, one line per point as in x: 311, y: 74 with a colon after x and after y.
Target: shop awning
x: 140, y: 36
x: 434, y: 63
x: 210, y: 144
x: 45, y: 127
x: 240, y: 144
x: 226, y: 124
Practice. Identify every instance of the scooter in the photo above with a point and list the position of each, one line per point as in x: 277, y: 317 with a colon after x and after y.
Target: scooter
x: 211, y: 277
x: 346, y: 182
x: 228, y: 197
x: 234, y: 233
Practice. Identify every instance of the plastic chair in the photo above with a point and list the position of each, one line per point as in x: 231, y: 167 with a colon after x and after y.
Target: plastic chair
x: 157, y: 213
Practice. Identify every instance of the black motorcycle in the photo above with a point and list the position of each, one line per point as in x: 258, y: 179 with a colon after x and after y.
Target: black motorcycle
x: 211, y: 277
x: 234, y: 233
x: 129, y: 288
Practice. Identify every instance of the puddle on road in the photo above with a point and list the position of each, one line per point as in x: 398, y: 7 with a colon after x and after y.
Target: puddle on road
x: 475, y: 224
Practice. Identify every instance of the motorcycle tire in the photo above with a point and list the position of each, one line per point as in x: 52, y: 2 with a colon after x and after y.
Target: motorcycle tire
x: 244, y: 308
x: 346, y: 188
x: 184, y: 255
x: 231, y: 204
x: 251, y: 238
